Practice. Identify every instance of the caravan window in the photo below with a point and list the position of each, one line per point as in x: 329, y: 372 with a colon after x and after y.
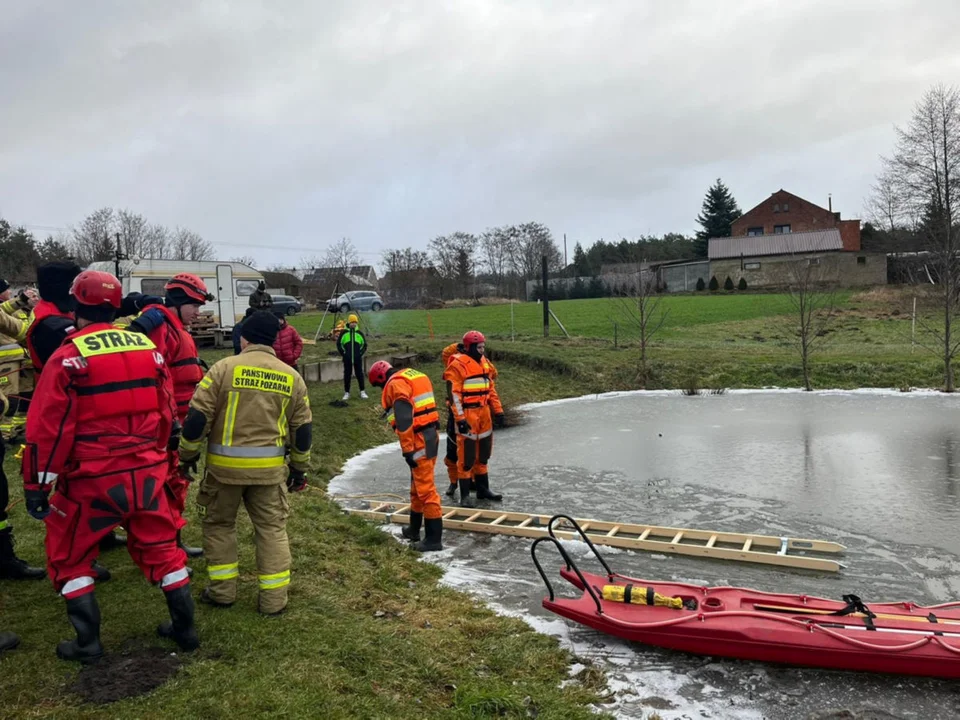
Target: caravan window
x: 246, y: 288
x: 153, y: 286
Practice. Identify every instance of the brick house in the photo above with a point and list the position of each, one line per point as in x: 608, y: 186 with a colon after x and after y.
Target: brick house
x: 784, y: 212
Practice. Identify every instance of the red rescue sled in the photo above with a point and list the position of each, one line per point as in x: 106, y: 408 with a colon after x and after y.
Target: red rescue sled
x: 901, y: 637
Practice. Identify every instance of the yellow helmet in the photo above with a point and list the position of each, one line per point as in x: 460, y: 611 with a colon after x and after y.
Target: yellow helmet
x: 352, y: 318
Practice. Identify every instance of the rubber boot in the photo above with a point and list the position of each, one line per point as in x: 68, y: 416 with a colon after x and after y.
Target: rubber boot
x: 180, y: 627
x: 434, y: 536
x: 8, y: 641
x: 483, y: 489
x: 412, y: 531
x: 192, y: 552
x: 465, y: 500
x: 112, y: 541
x: 12, y: 567
x: 101, y: 574
x: 84, y: 615
x: 452, y: 490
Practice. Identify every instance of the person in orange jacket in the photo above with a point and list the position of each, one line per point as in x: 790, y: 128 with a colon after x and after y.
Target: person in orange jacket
x: 476, y: 409
x: 450, y: 458
x: 408, y: 399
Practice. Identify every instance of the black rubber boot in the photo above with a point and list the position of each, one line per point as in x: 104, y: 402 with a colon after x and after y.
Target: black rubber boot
x: 483, y: 489
x: 434, y: 536
x: 84, y: 615
x: 412, y: 531
x: 180, y: 627
x: 112, y: 541
x: 452, y: 491
x: 192, y: 552
x: 101, y: 574
x: 12, y: 567
x: 8, y: 641
x: 465, y: 500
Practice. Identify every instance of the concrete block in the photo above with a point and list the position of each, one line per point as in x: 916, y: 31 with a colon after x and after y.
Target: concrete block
x: 311, y: 372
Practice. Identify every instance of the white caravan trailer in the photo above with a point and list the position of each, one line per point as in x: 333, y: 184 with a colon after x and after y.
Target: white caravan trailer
x: 231, y: 283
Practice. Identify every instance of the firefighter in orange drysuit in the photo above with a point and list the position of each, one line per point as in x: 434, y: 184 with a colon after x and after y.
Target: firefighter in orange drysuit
x: 408, y: 399
x: 476, y: 409
x: 99, y: 428
x: 166, y: 325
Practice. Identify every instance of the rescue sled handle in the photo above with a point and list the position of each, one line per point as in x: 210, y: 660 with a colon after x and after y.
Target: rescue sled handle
x: 583, y: 536
x: 570, y: 565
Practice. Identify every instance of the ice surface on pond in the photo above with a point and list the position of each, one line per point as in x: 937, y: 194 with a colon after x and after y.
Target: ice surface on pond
x: 878, y: 471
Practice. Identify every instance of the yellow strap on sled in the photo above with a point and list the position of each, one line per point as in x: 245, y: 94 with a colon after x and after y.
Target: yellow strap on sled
x: 640, y: 596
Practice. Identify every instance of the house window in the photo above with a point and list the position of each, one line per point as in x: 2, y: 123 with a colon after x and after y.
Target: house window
x: 781, y: 229
x: 786, y: 207
x: 814, y: 261
x: 861, y: 260
x: 754, y: 231
x: 776, y: 208
x: 751, y: 266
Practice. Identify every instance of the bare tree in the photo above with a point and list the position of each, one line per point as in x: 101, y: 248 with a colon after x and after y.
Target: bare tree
x: 884, y: 207
x: 924, y: 170
x: 158, y: 242
x: 134, y: 234
x: 640, y: 304
x: 812, y: 292
x: 245, y: 259
x: 342, y: 255
x: 532, y: 241
x: 499, y: 246
x: 94, y: 239
x: 454, y: 257
x: 188, y: 245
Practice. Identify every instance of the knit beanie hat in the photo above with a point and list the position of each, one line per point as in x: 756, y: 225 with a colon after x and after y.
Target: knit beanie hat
x: 54, y: 280
x: 4, y: 285
x: 261, y: 328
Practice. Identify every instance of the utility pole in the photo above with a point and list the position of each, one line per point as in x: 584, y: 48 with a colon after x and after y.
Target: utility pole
x: 546, y: 296
x: 117, y: 258
x: 564, y: 254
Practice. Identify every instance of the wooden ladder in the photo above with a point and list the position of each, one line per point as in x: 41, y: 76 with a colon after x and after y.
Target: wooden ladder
x: 742, y: 547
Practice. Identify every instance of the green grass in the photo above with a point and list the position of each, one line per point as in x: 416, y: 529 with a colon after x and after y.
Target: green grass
x: 585, y: 318
x: 435, y: 653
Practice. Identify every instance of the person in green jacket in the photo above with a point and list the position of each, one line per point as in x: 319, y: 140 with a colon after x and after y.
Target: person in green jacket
x: 352, y: 346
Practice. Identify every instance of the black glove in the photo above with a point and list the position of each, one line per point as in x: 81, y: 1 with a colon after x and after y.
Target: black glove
x: 296, y: 481
x: 37, y: 502
x: 409, y: 458
x: 23, y: 300
x: 499, y: 420
x: 463, y: 427
x: 173, y: 444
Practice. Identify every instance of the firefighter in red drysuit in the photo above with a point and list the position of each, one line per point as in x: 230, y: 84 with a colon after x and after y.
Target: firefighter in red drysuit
x: 407, y: 397
x: 50, y: 323
x: 476, y: 409
x: 166, y: 325
x: 98, y: 430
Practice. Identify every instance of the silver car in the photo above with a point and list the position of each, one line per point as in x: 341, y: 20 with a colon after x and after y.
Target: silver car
x: 356, y: 300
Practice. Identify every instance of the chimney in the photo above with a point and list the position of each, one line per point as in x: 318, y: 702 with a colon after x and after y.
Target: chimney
x: 830, y: 202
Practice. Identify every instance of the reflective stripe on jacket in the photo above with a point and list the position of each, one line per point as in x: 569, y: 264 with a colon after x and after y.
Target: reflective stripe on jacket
x: 254, y: 403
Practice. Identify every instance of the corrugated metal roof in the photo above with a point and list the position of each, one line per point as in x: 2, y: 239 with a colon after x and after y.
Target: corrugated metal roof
x: 786, y: 244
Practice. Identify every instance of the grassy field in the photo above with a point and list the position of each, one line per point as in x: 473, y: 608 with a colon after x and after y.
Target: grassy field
x: 584, y: 318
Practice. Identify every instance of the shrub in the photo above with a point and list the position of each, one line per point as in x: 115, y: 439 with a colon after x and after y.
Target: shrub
x: 728, y: 284
x: 742, y: 285
x: 714, y: 285
x: 701, y: 285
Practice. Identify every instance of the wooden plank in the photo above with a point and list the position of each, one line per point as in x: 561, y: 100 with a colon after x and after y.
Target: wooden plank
x: 648, y: 537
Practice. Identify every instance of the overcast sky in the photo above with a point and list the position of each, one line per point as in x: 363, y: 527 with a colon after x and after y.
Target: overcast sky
x: 273, y: 129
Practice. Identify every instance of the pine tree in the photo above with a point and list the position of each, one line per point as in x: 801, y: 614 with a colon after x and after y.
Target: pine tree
x: 580, y: 261
x: 719, y: 211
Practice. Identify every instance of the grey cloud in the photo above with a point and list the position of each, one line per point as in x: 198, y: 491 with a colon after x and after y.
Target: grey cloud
x: 294, y: 124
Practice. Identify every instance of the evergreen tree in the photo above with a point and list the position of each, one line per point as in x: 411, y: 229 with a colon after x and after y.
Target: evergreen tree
x: 719, y: 211
x: 701, y: 285
x: 742, y: 285
x: 580, y: 261
x: 728, y: 284
x: 714, y: 285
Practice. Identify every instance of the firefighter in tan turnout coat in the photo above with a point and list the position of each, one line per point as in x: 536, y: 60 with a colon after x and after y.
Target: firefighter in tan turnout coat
x: 253, y: 410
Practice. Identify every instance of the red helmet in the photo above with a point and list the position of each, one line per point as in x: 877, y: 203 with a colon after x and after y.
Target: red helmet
x: 473, y: 337
x: 95, y: 287
x: 192, y: 286
x: 378, y: 373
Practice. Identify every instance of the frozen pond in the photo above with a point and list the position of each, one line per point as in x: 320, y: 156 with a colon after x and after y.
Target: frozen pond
x: 877, y: 472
